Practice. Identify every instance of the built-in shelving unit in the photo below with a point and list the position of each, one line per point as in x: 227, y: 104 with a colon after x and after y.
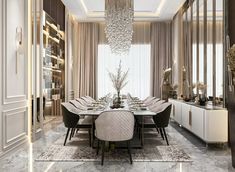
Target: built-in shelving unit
x: 53, y: 64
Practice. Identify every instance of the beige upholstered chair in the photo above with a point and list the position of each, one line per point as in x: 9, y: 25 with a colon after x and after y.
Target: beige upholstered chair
x: 115, y: 126
x: 147, y: 98
x: 90, y: 99
x: 83, y: 102
x: 156, y: 105
x: 150, y: 101
x: 78, y: 105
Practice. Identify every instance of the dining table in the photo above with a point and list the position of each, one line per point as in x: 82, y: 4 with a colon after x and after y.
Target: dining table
x: 138, y: 111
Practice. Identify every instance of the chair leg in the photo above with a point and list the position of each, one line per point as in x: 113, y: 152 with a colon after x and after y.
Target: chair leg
x: 38, y: 116
x: 93, y: 131
x: 139, y: 131
x: 129, y: 151
x: 74, y: 132
x: 66, y: 136
x: 89, y: 132
x: 160, y: 129
x: 71, y: 134
x: 103, y: 146
x: 98, y: 147
x: 157, y: 130
x: 164, y: 131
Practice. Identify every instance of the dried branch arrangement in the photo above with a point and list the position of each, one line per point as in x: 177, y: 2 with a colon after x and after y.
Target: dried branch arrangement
x: 119, y: 79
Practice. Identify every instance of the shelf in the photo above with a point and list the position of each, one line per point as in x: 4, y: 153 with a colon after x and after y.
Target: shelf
x: 52, y: 38
x: 53, y: 54
x: 54, y: 27
x: 56, y: 58
x: 51, y: 88
x: 49, y: 51
x: 52, y: 69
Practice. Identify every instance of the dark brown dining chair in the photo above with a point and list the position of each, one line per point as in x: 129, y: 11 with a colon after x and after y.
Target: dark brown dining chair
x: 161, y: 119
x: 71, y: 121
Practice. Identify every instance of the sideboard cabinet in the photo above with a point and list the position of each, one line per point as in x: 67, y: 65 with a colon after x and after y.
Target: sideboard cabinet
x: 210, y: 123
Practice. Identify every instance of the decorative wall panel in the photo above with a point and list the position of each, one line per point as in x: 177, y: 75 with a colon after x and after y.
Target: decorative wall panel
x: 14, y: 126
x: 14, y: 64
x: 13, y: 74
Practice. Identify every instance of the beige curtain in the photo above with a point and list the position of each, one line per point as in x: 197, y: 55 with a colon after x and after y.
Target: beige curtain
x: 85, y: 51
x: 161, y: 54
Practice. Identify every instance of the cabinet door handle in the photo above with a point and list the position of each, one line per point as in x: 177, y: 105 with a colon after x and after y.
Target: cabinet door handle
x: 190, y: 118
x: 173, y: 110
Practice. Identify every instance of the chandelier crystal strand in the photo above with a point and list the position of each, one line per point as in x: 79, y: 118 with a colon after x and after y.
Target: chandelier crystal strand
x: 119, y: 15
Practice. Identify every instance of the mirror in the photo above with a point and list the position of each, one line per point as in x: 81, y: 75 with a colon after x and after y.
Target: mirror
x: 194, y: 44
x: 201, y: 41
x: 209, y: 48
x: 219, y: 48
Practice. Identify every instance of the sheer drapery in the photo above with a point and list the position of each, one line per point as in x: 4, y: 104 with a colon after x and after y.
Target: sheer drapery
x: 161, y: 54
x: 218, y: 59
x: 209, y: 62
x: 137, y: 61
x: 84, y: 52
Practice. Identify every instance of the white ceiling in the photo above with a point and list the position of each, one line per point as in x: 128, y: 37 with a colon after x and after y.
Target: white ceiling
x: 145, y: 10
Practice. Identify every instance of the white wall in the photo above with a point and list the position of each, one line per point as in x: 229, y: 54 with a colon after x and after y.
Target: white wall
x: 13, y: 85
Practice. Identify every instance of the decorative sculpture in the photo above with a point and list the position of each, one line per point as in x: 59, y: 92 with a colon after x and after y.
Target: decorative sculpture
x: 165, y: 85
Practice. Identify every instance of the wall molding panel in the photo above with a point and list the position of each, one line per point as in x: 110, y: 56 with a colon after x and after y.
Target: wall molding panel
x: 15, y: 127
x: 13, y: 75
x: 14, y: 90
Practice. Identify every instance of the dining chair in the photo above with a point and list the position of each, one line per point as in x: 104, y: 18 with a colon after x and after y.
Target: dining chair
x: 71, y: 121
x: 83, y: 102
x: 161, y: 119
x: 148, y: 121
x: 87, y: 100
x: 115, y: 126
x: 78, y: 105
x: 156, y: 105
x: 147, y: 98
x: 85, y: 121
x: 90, y: 98
x: 149, y: 101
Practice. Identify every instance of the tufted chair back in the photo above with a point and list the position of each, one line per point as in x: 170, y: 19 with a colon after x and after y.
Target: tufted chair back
x: 115, y: 125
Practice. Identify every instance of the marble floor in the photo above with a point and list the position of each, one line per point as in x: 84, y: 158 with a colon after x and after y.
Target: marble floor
x: 212, y: 158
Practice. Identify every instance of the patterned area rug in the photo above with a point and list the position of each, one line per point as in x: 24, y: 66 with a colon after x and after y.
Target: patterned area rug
x: 77, y: 149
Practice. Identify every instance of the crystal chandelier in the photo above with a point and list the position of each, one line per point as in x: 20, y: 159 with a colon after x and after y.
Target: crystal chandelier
x: 119, y: 16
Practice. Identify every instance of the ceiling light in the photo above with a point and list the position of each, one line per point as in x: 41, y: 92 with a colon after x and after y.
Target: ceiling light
x: 119, y: 16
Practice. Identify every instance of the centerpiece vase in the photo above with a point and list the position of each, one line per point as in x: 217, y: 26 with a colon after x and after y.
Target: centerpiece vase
x: 202, y: 99
x: 118, y: 98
